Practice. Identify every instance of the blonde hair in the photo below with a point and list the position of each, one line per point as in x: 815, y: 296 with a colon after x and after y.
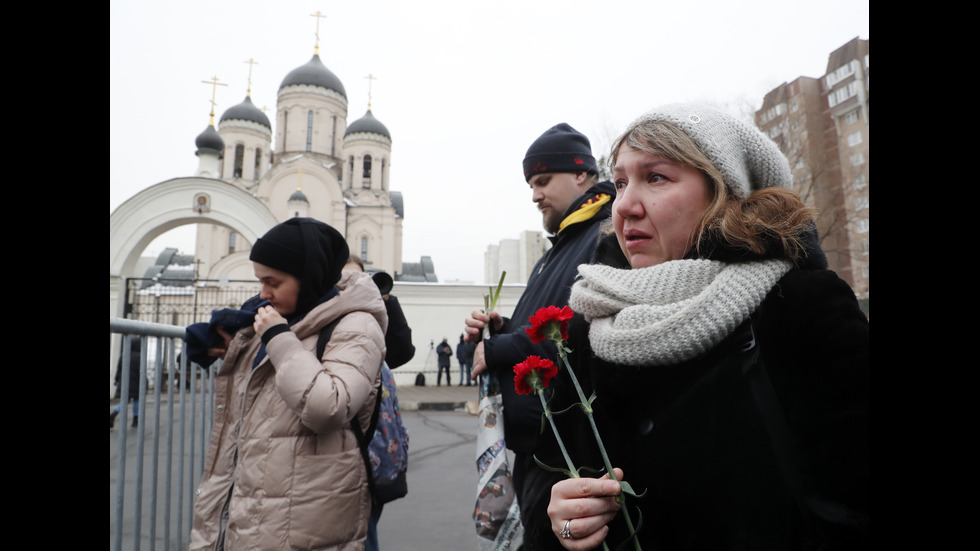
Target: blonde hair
x: 769, y: 214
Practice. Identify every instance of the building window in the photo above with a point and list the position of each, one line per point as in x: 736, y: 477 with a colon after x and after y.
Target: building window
x: 854, y: 139
x: 866, y: 247
x: 232, y: 238
x: 860, y: 182
x: 841, y: 95
x: 258, y: 164
x: 794, y: 107
x: 364, y: 250
x: 366, y: 174
x: 862, y: 203
x: 857, y: 159
x: 773, y: 112
x: 350, y: 172
x: 864, y: 225
x: 851, y: 117
x: 309, y: 131
x: 840, y: 74
x: 239, y: 160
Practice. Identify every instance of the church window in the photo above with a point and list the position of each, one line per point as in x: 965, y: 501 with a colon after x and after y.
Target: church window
x: 367, y: 171
x: 309, y: 131
x: 258, y: 164
x: 232, y: 238
x: 239, y: 160
x: 384, y: 165
x: 350, y: 172
x: 285, y: 128
x: 364, y: 249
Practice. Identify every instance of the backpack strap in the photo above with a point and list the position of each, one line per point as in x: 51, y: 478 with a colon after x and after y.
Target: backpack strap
x: 363, y: 439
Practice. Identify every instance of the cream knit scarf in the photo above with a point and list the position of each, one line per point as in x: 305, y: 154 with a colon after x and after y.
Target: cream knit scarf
x: 671, y: 312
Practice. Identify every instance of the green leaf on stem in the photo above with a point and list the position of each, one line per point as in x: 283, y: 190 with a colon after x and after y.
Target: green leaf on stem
x: 633, y: 536
x: 495, y: 295
x: 566, y: 472
x: 627, y: 489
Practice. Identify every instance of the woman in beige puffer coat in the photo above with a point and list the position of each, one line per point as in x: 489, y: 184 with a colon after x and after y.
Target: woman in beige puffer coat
x: 283, y: 468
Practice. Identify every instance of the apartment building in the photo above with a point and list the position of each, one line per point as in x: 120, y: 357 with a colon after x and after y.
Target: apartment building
x: 823, y: 126
x: 517, y: 257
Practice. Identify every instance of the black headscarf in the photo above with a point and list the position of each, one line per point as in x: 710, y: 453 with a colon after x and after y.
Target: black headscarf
x: 311, y: 251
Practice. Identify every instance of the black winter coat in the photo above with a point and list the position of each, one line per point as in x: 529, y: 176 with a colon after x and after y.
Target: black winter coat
x: 549, y: 285
x: 398, y: 336
x: 694, y: 437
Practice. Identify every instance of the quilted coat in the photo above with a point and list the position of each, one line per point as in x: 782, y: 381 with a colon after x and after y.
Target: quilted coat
x: 283, y: 469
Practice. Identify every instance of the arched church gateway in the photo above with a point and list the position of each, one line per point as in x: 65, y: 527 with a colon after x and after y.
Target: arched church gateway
x: 251, y: 177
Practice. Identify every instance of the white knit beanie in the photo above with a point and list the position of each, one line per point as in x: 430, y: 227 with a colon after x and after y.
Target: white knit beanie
x: 747, y: 159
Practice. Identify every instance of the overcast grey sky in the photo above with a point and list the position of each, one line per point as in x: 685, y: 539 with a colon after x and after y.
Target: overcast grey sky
x: 464, y: 87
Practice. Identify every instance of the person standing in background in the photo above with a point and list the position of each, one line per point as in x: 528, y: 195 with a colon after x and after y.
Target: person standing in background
x: 464, y: 354
x: 444, y: 351
x: 134, y: 384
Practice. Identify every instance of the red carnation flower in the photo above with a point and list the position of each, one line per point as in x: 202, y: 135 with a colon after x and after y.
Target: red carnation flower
x: 533, y: 375
x: 548, y: 322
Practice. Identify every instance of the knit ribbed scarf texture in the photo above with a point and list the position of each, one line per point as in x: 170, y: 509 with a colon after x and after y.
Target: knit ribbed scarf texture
x: 671, y: 312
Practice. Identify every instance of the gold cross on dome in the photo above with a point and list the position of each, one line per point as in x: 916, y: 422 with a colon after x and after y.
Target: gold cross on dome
x: 214, y: 89
x: 250, y: 62
x: 318, y: 15
x: 369, y: 78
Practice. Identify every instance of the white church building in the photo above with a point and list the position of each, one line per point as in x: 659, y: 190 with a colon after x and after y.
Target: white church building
x: 315, y: 165
x: 252, y: 175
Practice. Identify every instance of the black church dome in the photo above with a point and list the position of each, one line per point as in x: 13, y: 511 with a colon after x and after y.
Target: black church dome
x: 298, y: 196
x: 368, y: 123
x: 210, y: 142
x: 246, y: 111
x: 314, y: 73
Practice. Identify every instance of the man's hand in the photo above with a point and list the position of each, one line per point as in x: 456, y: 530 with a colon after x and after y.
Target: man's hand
x: 479, y: 362
x: 477, y: 321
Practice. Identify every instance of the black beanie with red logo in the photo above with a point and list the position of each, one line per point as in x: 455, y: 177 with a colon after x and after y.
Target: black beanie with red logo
x: 560, y: 149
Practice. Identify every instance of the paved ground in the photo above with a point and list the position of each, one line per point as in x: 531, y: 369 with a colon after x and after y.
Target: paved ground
x: 437, y: 397
x: 436, y: 515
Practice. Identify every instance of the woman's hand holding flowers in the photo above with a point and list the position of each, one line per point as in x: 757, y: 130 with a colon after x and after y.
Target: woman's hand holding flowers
x: 591, y: 505
x: 599, y: 499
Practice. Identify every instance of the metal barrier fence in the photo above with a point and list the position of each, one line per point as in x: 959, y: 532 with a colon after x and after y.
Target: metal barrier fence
x: 155, y: 466
x: 183, y: 302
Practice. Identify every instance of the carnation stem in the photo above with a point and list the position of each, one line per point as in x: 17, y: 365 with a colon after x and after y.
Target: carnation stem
x: 561, y: 444
x: 587, y: 408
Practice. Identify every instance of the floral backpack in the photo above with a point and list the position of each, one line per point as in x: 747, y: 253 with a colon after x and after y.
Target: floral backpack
x: 388, y: 449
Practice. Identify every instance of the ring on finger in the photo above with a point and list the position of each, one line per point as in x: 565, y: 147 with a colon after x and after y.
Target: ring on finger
x: 566, y: 533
